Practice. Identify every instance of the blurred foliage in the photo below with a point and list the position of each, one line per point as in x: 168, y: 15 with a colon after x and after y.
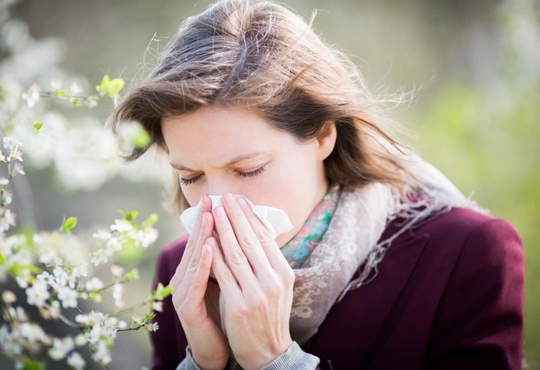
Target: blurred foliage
x: 491, y: 146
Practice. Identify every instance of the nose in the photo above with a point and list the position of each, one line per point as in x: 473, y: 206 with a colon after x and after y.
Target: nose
x: 220, y: 186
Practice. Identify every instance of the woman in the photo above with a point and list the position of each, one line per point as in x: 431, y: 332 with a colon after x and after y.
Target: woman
x: 386, y: 265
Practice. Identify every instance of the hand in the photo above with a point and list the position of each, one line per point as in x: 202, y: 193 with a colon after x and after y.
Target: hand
x: 256, y: 283
x: 192, y: 294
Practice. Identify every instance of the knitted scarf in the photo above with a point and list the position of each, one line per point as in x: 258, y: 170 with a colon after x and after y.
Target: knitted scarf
x: 324, y: 268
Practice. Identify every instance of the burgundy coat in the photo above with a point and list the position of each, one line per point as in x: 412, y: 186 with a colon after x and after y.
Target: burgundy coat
x: 449, y: 295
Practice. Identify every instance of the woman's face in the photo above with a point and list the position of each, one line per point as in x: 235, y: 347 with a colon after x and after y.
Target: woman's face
x: 218, y: 151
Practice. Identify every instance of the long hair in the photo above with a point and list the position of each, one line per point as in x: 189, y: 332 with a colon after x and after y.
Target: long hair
x: 261, y: 56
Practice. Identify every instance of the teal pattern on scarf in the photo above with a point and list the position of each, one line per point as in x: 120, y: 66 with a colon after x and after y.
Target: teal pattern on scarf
x: 299, y: 248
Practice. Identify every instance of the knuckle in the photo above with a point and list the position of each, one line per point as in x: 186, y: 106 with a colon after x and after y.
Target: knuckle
x: 225, y: 275
x: 193, y: 264
x: 241, y: 310
x: 249, y: 241
x: 191, y: 243
x: 259, y: 303
x: 264, y: 234
x: 234, y: 212
x: 289, y: 277
x: 238, y: 257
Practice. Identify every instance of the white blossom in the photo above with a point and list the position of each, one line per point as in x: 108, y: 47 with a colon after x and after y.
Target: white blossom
x: 60, y: 276
x: 61, y: 347
x: 31, y: 96
x: 122, y: 226
x: 68, y: 297
x: 152, y: 326
x: 76, y: 361
x: 94, y: 284
x: 9, y: 297
x: 7, y: 221
x: 99, y: 256
x: 114, y: 245
x: 102, y: 353
x: 157, y: 306
x: 122, y: 325
x: 37, y: 294
x: 22, y: 281
x: 117, y: 271
x: 118, y: 293
x: 146, y: 238
x: 137, y: 319
x: 80, y: 270
x: 102, y: 234
x: 19, y: 168
x: 10, y: 342
x: 33, y: 333
x: 75, y: 89
x: 46, y: 278
x: 80, y: 340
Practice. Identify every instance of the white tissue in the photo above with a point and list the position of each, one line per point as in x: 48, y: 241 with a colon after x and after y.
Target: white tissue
x: 275, y: 219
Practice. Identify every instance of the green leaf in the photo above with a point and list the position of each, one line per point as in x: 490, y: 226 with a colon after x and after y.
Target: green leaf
x: 150, y: 221
x: 20, y: 269
x: 37, y: 126
x: 96, y: 297
x: 142, y: 139
x: 104, y: 86
x: 76, y: 102
x: 109, y: 87
x: 69, y: 223
x: 129, y: 215
x: 130, y: 276
x: 2, y: 259
x: 115, y: 86
x: 148, y: 317
x: 59, y: 94
x: 162, y: 292
x: 32, y: 365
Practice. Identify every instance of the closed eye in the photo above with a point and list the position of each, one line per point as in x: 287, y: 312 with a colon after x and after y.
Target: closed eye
x: 256, y: 172
x: 189, y: 181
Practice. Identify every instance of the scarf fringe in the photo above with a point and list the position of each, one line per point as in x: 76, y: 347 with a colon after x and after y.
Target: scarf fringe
x: 415, y: 210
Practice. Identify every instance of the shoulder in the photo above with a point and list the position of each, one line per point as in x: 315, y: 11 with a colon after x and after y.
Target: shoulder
x: 468, y: 230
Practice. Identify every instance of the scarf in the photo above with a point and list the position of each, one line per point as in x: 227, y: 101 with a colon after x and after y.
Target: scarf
x: 350, y: 239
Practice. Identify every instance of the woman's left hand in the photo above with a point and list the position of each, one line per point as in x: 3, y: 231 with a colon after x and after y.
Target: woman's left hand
x: 256, y: 284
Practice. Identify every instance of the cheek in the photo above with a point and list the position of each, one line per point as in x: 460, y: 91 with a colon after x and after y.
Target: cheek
x: 192, y: 194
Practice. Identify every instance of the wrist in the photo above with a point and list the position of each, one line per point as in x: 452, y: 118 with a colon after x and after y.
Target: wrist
x: 265, y: 358
x: 206, y: 363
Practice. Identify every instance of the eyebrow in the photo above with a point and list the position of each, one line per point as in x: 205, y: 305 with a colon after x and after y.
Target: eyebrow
x: 232, y: 162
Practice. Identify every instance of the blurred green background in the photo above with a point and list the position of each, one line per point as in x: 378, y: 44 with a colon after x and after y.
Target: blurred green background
x: 475, y: 67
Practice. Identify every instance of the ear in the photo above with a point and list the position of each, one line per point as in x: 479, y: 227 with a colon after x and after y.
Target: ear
x: 327, y: 142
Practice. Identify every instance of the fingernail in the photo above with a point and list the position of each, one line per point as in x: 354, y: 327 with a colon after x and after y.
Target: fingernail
x: 228, y: 198
x: 220, y: 212
x: 243, y: 202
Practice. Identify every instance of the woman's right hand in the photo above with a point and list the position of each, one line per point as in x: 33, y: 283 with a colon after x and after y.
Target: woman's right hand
x: 208, y: 345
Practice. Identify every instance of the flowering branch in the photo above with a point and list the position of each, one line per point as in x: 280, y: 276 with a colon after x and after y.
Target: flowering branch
x: 54, y: 269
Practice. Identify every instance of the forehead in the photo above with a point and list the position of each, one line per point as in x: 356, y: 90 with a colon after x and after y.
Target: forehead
x: 214, y: 135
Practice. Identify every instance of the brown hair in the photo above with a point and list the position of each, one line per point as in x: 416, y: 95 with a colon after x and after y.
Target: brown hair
x: 261, y: 56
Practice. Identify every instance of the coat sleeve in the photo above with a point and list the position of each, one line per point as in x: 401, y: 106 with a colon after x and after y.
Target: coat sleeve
x: 168, y: 342
x: 479, y: 322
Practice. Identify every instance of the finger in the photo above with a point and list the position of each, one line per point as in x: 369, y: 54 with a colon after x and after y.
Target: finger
x: 199, y: 280
x: 202, y: 229
x: 224, y: 276
x: 246, y: 237
x: 233, y: 253
x: 265, y: 237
